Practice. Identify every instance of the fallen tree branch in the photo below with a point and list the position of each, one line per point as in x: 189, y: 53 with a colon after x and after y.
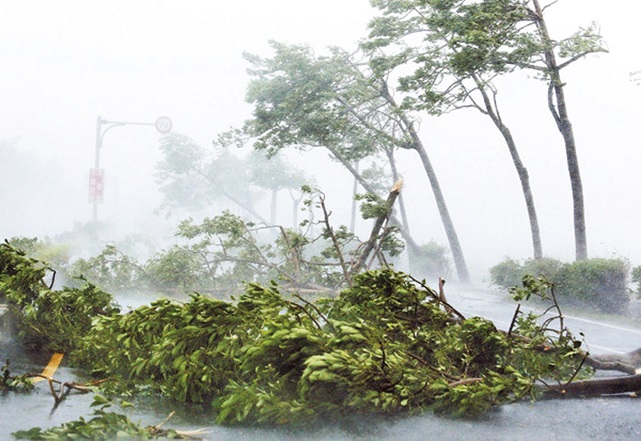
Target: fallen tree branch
x: 593, y: 387
x: 66, y: 386
x: 629, y: 363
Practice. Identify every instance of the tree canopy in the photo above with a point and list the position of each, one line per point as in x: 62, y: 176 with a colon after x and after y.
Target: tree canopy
x: 448, y: 44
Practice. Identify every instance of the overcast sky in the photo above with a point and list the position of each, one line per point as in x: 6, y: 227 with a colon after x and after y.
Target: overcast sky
x: 64, y: 62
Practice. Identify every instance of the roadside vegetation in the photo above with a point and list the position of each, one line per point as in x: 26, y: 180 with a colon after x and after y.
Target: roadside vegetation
x: 600, y: 285
x: 387, y: 343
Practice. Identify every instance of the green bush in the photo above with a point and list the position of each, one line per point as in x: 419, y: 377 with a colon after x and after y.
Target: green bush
x: 544, y: 267
x: 432, y: 261
x: 510, y: 272
x: 599, y: 284
x: 507, y: 274
x: 595, y: 283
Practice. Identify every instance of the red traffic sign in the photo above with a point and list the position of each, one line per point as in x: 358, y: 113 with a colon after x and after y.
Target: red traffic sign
x: 96, y: 185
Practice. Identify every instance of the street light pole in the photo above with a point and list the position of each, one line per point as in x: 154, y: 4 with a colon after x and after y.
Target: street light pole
x: 96, y: 176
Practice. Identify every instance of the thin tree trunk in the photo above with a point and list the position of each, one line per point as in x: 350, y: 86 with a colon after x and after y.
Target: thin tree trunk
x: 452, y: 237
x: 374, y: 235
x: 395, y: 178
x: 448, y: 225
x: 527, y: 191
x: 412, y: 252
x: 560, y: 114
x: 518, y: 164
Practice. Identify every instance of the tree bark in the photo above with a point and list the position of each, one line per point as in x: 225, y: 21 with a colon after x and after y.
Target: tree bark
x: 560, y: 113
x: 452, y: 237
x: 450, y: 231
x: 629, y: 363
x: 518, y: 164
x: 374, y: 235
x: 594, y: 387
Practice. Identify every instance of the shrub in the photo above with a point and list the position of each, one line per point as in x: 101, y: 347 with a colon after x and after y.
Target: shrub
x: 432, y: 261
x: 544, y: 267
x: 599, y: 284
x: 510, y: 272
x: 595, y: 283
x: 506, y: 274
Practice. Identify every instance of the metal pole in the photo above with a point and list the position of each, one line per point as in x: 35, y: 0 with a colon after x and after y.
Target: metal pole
x: 162, y: 124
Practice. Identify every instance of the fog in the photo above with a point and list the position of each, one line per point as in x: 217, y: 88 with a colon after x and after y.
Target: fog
x: 65, y: 63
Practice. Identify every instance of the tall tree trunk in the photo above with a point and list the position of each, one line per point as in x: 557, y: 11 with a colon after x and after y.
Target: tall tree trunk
x: 448, y: 225
x: 527, y: 191
x: 452, y: 237
x: 560, y: 113
x: 518, y: 164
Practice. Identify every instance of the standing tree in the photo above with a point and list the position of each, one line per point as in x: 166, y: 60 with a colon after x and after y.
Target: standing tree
x: 191, y: 176
x: 274, y: 174
x: 444, y: 80
x: 334, y: 102
x: 490, y: 37
x: 584, y: 42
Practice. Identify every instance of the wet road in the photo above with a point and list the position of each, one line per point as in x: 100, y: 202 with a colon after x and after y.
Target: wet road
x: 602, y: 336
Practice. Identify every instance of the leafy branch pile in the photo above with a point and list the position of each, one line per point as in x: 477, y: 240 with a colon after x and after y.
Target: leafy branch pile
x: 47, y: 320
x: 387, y: 344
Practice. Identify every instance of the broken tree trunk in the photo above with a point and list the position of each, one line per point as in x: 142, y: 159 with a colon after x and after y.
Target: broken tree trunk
x: 380, y: 220
x: 594, y: 387
x: 629, y: 363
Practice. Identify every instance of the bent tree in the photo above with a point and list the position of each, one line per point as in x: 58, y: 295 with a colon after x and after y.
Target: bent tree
x: 190, y: 176
x: 584, y: 42
x: 446, y: 77
x: 497, y: 37
x: 338, y: 103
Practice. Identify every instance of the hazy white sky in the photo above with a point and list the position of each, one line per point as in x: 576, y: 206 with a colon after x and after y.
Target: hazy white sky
x: 64, y: 62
